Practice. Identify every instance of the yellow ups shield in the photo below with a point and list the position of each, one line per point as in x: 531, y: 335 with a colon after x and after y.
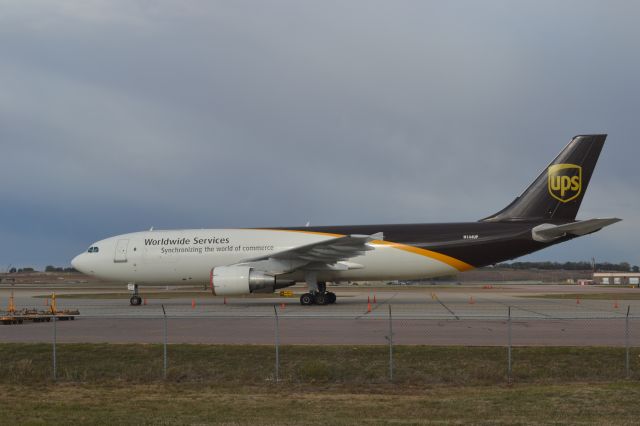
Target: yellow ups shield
x: 565, y: 182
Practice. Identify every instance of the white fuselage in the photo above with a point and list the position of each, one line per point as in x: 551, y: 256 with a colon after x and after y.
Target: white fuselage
x: 188, y: 256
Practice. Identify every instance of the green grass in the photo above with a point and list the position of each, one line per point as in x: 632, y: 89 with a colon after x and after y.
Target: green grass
x: 573, y: 403
x: 588, y: 296
x: 346, y: 365
x: 227, y: 384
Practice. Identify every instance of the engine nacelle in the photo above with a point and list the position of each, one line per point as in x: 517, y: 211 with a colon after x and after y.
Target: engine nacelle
x: 239, y: 280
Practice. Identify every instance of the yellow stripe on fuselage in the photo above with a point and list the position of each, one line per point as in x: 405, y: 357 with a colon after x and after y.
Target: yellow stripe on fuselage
x: 451, y: 261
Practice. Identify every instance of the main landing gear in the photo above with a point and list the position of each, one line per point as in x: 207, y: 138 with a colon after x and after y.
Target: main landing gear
x: 135, y: 300
x: 318, y: 297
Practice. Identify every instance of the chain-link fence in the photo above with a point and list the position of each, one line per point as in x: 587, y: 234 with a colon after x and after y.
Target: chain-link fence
x: 285, y: 347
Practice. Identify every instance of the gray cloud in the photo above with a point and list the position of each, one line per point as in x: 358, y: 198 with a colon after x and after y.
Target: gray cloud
x: 119, y: 115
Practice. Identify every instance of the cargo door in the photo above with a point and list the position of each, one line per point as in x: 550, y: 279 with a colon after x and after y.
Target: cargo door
x: 121, y: 251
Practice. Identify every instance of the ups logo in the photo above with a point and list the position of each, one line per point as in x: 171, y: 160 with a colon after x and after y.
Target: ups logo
x: 565, y: 182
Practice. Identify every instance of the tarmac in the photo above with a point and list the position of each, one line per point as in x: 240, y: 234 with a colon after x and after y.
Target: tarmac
x: 449, y: 315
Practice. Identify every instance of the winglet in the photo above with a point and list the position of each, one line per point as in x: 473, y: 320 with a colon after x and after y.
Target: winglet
x: 368, y: 238
x: 376, y: 236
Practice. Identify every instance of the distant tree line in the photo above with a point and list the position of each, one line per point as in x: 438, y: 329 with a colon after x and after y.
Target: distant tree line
x: 21, y: 270
x: 570, y: 266
x: 48, y: 268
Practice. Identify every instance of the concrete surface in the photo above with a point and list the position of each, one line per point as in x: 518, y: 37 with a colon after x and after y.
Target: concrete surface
x: 434, y: 316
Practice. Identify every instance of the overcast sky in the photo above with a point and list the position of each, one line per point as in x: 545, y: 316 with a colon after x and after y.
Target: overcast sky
x: 116, y: 116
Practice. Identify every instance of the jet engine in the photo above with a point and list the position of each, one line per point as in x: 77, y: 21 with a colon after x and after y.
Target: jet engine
x: 239, y: 280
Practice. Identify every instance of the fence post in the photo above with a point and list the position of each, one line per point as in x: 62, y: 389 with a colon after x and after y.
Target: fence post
x: 55, y: 338
x: 277, y: 375
x: 509, y: 378
x: 164, y: 346
x: 390, y: 338
x: 626, y: 343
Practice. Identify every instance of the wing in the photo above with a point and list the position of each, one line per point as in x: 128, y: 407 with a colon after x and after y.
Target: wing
x: 331, y: 254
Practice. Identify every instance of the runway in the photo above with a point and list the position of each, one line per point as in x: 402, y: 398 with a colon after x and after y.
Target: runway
x: 420, y: 316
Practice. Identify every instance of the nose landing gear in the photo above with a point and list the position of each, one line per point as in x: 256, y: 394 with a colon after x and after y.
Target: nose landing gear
x: 135, y: 299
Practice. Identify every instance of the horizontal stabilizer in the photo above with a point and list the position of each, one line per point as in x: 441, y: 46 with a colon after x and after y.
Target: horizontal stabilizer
x: 548, y: 232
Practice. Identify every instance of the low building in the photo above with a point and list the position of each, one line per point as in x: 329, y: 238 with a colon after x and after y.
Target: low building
x: 617, y: 278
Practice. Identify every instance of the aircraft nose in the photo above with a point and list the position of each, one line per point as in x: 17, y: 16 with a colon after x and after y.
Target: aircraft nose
x: 77, y: 263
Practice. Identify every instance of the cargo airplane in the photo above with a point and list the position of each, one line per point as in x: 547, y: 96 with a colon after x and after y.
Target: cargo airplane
x: 243, y: 261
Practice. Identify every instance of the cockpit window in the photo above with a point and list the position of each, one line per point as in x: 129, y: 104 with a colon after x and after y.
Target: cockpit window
x: 93, y: 249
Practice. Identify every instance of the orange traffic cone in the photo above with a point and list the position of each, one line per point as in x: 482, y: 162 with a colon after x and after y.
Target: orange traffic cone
x: 368, y: 307
x: 193, y: 303
x: 368, y: 299
x: 374, y: 298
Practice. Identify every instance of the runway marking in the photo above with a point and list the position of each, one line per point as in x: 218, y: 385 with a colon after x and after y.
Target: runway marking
x: 447, y: 308
x: 516, y: 306
x: 567, y: 303
x: 375, y: 306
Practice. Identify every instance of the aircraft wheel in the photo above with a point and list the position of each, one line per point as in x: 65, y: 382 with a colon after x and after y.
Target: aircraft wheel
x: 321, y: 299
x: 135, y: 300
x: 306, y: 299
x: 331, y: 297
